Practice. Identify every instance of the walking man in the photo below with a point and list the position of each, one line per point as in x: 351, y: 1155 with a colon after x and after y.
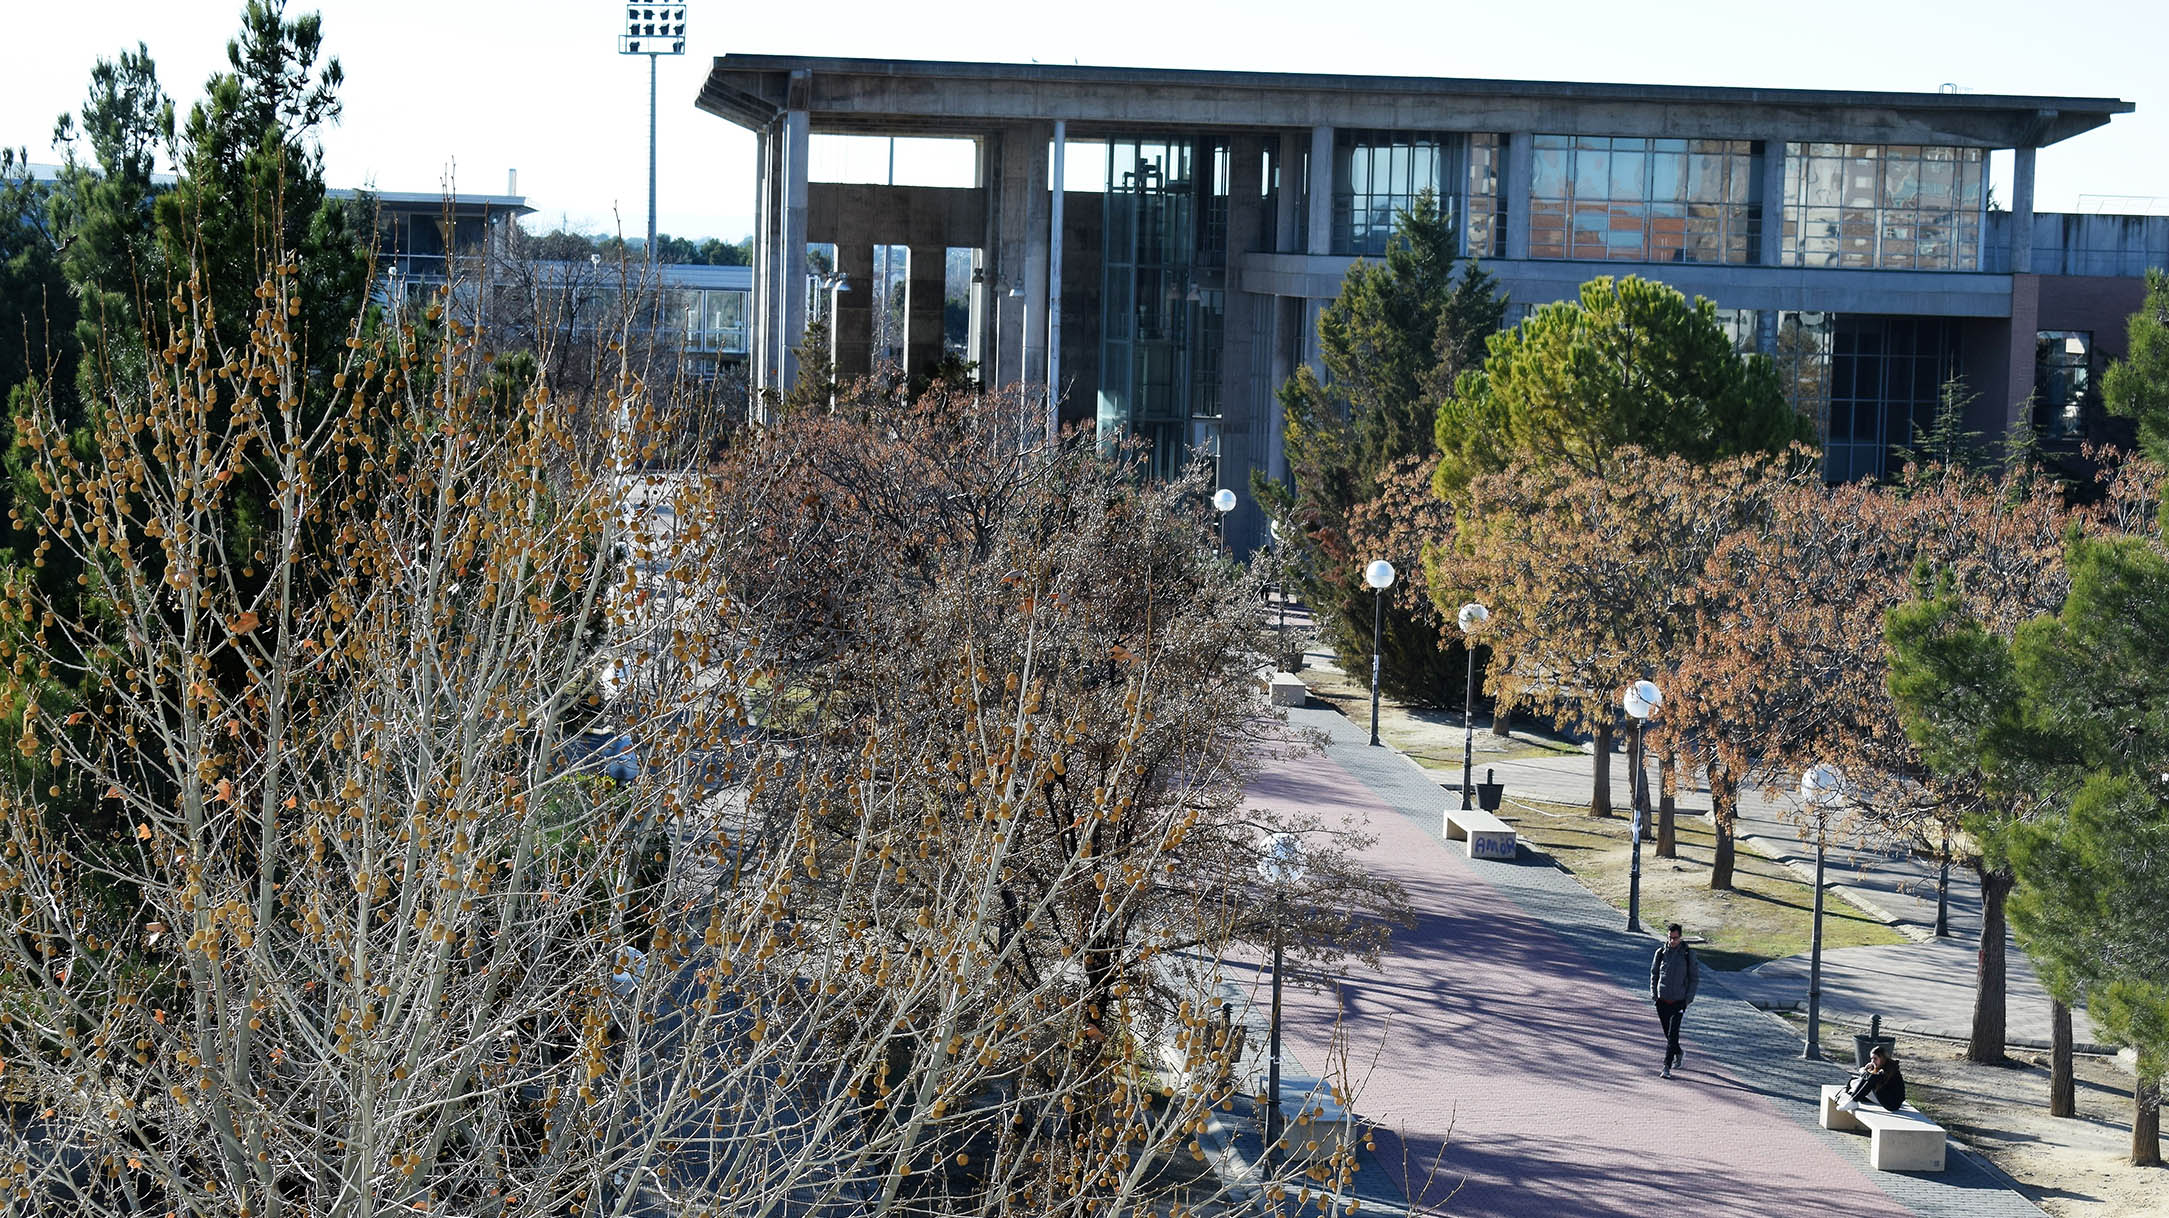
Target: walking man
x: 1673, y: 976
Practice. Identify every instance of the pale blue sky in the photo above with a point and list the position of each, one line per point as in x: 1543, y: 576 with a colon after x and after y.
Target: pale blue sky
x: 484, y: 86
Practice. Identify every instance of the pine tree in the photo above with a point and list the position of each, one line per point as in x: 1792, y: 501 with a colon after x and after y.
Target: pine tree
x: 1400, y: 330
x: 2137, y: 386
x: 1631, y: 361
x: 2067, y: 714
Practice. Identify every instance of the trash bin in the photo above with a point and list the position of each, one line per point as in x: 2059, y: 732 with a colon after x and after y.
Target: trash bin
x: 1864, y: 1045
x: 1490, y: 792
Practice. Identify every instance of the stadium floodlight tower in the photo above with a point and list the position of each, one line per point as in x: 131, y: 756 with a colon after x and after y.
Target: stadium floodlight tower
x: 652, y: 30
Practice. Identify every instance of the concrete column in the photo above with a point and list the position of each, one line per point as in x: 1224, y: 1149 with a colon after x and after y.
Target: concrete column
x: 1021, y: 223
x: 797, y: 134
x: 1288, y: 220
x: 1514, y: 190
x: 772, y: 287
x: 1772, y: 250
x: 2022, y: 215
x: 2021, y: 354
x: 1054, y: 283
x: 1320, y: 193
x: 923, y: 299
x: 764, y: 248
x: 851, y: 326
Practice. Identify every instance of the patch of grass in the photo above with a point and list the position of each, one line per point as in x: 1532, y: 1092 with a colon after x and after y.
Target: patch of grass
x: 1431, y: 736
x: 1767, y: 916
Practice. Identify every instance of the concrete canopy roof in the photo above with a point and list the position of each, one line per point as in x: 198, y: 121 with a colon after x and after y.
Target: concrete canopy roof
x: 905, y: 97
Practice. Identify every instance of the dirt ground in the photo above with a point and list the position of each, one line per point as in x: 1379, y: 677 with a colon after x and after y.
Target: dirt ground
x: 2072, y: 1167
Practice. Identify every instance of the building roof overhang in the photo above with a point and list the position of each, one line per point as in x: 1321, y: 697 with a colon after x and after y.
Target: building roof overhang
x: 873, y: 96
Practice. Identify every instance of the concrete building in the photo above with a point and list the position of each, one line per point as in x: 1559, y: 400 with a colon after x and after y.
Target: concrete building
x: 1205, y: 217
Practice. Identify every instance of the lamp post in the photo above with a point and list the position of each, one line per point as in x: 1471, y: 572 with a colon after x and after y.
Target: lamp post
x: 1281, y: 866
x: 1471, y: 618
x: 828, y: 285
x: 1642, y: 700
x: 1943, y: 887
x: 1280, y: 596
x: 652, y: 30
x: 1379, y: 575
x: 1223, y: 503
x: 1819, y: 789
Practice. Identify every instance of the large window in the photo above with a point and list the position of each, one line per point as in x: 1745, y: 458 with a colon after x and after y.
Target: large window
x: 1378, y: 174
x: 1872, y: 384
x: 1163, y: 217
x: 1485, y: 229
x: 1895, y: 206
x: 1624, y: 199
x: 2062, y: 377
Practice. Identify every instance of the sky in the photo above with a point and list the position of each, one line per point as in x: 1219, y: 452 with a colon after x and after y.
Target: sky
x: 463, y: 91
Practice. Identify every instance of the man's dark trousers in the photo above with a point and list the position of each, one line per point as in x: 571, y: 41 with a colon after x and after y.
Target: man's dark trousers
x: 1670, y: 1013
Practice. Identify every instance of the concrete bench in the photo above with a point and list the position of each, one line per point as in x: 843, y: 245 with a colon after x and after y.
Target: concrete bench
x: 1313, y: 1125
x: 1289, y: 690
x: 1487, y: 836
x: 1897, y: 1141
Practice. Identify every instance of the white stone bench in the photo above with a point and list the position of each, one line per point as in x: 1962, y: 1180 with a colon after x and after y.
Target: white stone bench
x: 1897, y: 1141
x: 1487, y: 836
x: 1289, y: 690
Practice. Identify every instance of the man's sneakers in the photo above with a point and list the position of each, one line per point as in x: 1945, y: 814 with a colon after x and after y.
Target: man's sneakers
x: 1665, y: 1073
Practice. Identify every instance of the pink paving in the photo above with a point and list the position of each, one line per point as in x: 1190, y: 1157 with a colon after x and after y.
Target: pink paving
x: 1486, y: 1022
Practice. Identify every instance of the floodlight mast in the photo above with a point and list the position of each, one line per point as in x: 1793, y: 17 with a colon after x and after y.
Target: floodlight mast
x: 652, y: 30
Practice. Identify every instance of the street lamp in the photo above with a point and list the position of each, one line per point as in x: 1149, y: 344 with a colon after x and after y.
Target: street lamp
x: 1223, y: 503
x: 1281, y: 866
x: 1820, y: 787
x: 827, y: 286
x: 1472, y: 618
x: 1379, y: 575
x: 1641, y: 701
x: 652, y: 30
x: 1943, y: 886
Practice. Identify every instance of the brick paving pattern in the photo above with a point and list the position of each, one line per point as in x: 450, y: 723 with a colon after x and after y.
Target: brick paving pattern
x: 1516, y: 1051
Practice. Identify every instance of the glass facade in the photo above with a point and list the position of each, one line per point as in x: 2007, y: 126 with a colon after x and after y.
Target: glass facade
x: 1871, y: 384
x: 1888, y: 206
x: 1628, y: 199
x: 1159, y: 327
x: 1378, y: 174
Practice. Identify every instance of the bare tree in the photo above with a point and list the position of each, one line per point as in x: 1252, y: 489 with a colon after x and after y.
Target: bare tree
x: 371, y: 929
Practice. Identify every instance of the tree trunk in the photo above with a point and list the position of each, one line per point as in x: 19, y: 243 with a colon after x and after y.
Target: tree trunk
x: 1667, y: 807
x: 2062, y: 1102
x: 2146, y: 1123
x: 1502, y: 716
x: 1724, y: 812
x: 1986, y: 1044
x: 1600, y: 794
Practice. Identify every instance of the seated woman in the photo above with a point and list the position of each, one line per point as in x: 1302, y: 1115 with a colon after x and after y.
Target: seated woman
x: 1879, y: 1080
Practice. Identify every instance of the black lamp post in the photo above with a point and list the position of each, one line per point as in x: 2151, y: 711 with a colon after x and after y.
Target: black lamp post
x: 1223, y: 503
x: 1819, y: 789
x: 1471, y: 618
x: 1379, y: 575
x: 1943, y: 887
x: 1282, y: 866
x: 1640, y: 702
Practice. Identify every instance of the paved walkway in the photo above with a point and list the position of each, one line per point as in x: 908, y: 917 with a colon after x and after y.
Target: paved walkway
x: 1924, y: 987
x: 1922, y: 990
x: 1516, y: 1053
